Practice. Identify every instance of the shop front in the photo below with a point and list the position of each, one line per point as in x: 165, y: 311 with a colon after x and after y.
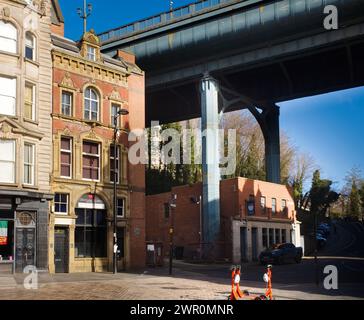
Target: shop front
x: 23, y: 233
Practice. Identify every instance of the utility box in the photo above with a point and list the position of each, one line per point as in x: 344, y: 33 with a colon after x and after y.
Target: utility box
x: 154, y: 254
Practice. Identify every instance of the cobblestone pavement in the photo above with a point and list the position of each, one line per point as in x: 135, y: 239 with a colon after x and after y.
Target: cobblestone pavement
x: 151, y: 285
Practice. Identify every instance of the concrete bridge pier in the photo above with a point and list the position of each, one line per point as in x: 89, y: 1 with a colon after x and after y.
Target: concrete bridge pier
x: 269, y: 123
x: 210, y: 166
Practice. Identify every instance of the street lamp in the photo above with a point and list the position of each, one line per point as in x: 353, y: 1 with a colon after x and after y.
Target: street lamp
x: 198, y: 201
x: 172, y: 204
x: 121, y: 112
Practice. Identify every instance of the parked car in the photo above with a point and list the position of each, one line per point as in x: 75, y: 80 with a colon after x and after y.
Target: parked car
x: 321, y: 239
x: 280, y: 253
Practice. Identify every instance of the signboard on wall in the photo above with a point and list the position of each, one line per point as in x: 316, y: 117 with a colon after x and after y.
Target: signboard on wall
x: 3, y: 233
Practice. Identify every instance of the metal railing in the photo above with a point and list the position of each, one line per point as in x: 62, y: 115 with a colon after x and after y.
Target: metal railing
x: 165, y: 17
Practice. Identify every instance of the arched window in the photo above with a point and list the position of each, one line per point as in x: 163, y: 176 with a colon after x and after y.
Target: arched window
x: 29, y: 46
x: 8, y: 37
x: 92, y: 102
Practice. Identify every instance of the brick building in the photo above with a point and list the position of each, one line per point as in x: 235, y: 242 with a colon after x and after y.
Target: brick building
x: 254, y: 215
x: 25, y: 133
x: 88, y: 90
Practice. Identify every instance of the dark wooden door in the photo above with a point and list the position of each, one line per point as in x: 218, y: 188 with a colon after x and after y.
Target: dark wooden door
x: 25, y: 248
x: 61, y: 250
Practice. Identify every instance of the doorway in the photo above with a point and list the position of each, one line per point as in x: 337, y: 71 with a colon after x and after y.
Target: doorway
x: 243, y: 246
x: 25, y: 248
x: 61, y: 250
x: 255, y: 244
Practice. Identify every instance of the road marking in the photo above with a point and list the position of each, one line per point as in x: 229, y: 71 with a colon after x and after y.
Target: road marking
x: 335, y: 258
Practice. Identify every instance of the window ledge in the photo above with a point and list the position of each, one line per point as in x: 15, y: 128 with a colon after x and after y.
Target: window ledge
x: 15, y: 55
x: 36, y: 63
x: 9, y: 184
x: 31, y: 121
x: 28, y: 186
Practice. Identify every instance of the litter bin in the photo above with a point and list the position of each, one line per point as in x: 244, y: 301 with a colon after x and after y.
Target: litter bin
x: 179, y: 253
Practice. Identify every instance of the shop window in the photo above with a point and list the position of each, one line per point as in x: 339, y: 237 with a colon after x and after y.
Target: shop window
x: 29, y: 101
x: 66, y: 158
x: 29, y: 162
x: 90, y: 233
x: 61, y: 203
x: 271, y: 237
x: 8, y: 37
x: 29, y: 46
x: 7, y: 240
x: 7, y: 96
x: 67, y: 102
x: 278, y: 236
x: 91, y: 161
x: 92, y: 103
x: 7, y: 161
x: 283, y: 235
x: 265, y: 237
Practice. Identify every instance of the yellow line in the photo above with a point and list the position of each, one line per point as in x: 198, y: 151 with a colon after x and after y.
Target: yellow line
x: 335, y: 258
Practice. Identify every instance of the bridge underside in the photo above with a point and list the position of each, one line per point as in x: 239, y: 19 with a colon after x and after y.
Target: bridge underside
x: 321, y: 71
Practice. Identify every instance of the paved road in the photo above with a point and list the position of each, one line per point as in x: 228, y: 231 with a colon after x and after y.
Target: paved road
x: 209, y: 282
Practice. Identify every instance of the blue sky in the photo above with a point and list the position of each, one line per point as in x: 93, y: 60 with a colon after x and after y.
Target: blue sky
x: 329, y: 127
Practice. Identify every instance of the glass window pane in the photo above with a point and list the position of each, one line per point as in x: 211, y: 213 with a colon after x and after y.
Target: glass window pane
x: 80, y: 217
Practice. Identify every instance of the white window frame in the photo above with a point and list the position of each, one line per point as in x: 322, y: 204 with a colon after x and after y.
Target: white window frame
x: 13, y: 98
x: 65, y: 92
x: 13, y: 162
x: 30, y: 164
x: 117, y: 207
x: 118, y: 153
x: 67, y: 204
x: 71, y: 155
x: 93, y: 155
x: 89, y: 98
x: 33, y: 102
x: 6, y: 37
x: 118, y: 106
x: 91, y: 53
x: 33, y: 47
x: 274, y: 200
x: 284, y: 204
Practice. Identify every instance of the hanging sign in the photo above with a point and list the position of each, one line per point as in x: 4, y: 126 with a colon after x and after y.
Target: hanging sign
x: 3, y: 233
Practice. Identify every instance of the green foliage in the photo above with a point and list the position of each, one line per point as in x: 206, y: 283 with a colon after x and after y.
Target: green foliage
x: 354, y: 202
x: 321, y: 196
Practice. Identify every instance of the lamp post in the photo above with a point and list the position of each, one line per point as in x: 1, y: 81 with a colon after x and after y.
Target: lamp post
x: 121, y: 112
x: 172, y: 204
x: 84, y: 13
x: 198, y: 201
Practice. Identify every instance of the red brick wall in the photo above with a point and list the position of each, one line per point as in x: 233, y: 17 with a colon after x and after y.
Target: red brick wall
x: 137, y: 174
x: 234, y: 192
x: 135, y: 103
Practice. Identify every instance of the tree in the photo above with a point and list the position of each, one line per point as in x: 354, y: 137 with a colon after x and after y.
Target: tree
x: 361, y: 192
x: 354, y: 202
x: 321, y: 196
x: 301, y: 171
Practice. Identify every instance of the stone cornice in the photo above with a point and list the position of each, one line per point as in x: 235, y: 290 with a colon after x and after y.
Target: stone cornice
x: 84, y: 67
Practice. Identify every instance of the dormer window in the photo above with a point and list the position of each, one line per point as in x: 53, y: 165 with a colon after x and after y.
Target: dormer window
x: 91, y: 53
